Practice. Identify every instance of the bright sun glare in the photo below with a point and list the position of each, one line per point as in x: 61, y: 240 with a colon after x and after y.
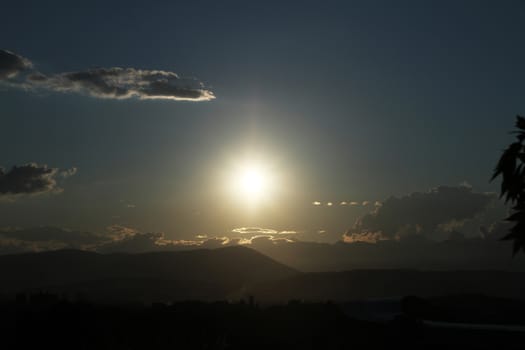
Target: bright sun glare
x: 252, y: 182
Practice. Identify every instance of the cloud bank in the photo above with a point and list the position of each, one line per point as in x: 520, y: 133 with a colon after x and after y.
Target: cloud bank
x: 120, y: 239
x: 418, y: 252
x: 433, y: 214
x: 108, y: 83
x: 116, y: 238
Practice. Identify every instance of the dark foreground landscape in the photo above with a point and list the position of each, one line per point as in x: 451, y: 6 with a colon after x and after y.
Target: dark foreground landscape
x: 46, y: 320
x: 237, y: 298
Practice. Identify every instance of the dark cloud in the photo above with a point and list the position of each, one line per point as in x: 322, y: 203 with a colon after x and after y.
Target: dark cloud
x: 29, y: 179
x: 434, y: 214
x: 11, y: 64
x: 109, y: 83
x: 123, y: 83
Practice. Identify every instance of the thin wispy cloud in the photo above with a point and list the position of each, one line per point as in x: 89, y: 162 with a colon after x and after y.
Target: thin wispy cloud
x: 120, y: 238
x: 345, y: 203
x: 253, y: 230
x: 264, y: 239
x: 107, y: 83
x: 12, y: 64
x: 68, y: 172
x: 118, y: 232
x: 261, y: 231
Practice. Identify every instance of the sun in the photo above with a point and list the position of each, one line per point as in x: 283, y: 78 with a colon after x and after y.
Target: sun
x: 252, y: 182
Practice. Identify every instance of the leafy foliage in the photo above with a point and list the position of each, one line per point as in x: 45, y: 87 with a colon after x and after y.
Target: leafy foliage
x: 511, y: 167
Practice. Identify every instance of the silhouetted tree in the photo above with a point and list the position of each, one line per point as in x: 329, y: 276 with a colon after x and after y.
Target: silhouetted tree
x: 511, y: 167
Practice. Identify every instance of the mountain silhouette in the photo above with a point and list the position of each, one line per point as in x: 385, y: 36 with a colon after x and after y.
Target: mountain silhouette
x: 229, y: 273
x: 198, y: 274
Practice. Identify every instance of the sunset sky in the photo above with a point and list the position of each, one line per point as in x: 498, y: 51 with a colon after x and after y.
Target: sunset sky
x: 199, y: 119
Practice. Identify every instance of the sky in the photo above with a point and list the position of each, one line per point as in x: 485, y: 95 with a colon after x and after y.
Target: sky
x: 348, y: 103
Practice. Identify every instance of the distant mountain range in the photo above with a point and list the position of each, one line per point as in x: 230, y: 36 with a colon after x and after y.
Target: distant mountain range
x: 229, y: 273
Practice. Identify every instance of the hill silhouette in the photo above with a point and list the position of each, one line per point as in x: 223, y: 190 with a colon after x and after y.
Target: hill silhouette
x: 229, y: 273
x: 198, y: 274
